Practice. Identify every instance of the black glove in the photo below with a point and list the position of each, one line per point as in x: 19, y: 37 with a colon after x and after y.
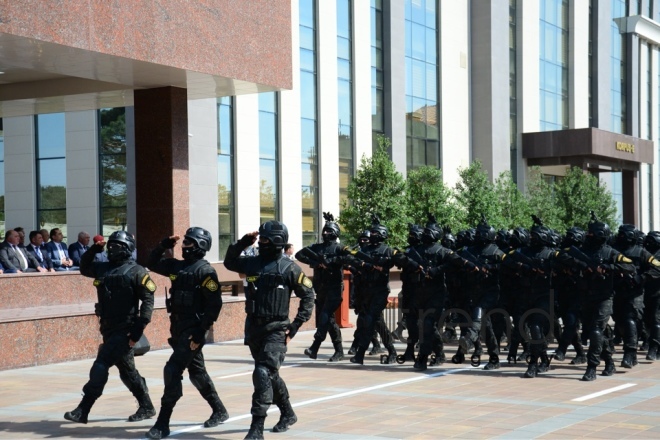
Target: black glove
x: 198, y: 335
x: 367, y: 266
x: 167, y: 243
x: 433, y: 271
x: 96, y: 248
x: 247, y: 240
x: 137, y: 330
x: 469, y: 265
x: 293, y: 328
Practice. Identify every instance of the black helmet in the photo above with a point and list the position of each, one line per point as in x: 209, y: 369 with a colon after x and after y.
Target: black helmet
x: 448, y: 240
x: 519, y: 238
x: 331, y: 229
x: 378, y: 231
x: 465, y: 238
x: 414, y: 234
x: 124, y: 238
x: 485, y: 233
x: 652, y: 241
x: 598, y: 231
x: 275, y: 232
x: 640, y: 237
x: 200, y: 236
x: 540, y: 235
x: 365, y: 234
x: 574, y: 237
x: 432, y: 231
x: 502, y: 239
x: 627, y: 235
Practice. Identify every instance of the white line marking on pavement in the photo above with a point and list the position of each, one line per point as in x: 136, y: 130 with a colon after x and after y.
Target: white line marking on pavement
x: 602, y: 393
x: 250, y: 372
x: 331, y: 397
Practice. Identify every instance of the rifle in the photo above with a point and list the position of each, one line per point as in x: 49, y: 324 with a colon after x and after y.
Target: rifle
x: 465, y: 253
x: 580, y: 256
x: 366, y: 258
x: 535, y: 264
x: 319, y: 259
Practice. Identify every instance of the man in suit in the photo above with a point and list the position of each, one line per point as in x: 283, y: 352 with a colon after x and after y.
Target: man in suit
x: 21, y: 236
x: 36, y: 249
x: 58, y: 252
x: 79, y: 247
x: 14, y: 258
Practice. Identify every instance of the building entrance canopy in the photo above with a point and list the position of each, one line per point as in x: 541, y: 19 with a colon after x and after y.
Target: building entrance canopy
x: 587, y: 148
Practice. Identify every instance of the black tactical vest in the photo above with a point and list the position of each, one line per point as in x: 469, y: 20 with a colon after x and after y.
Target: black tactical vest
x: 117, y: 304
x: 268, y: 294
x: 185, y: 298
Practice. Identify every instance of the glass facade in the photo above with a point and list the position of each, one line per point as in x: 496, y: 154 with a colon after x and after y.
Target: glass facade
x: 308, y: 122
x: 377, y: 73
x: 554, y: 64
x: 422, y: 119
x: 345, y: 95
x: 618, y: 66
x: 268, y: 157
x: 513, y: 94
x: 51, y: 171
x: 112, y: 169
x: 226, y: 202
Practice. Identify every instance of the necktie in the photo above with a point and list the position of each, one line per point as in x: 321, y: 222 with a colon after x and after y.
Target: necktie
x: 38, y: 252
x: 21, y: 258
x: 59, y: 248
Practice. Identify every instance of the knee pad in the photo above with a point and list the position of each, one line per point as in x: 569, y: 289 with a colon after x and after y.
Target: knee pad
x: 261, y: 378
x: 477, y: 313
x: 99, y: 370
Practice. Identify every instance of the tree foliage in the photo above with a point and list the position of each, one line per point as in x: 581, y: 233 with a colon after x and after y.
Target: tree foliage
x: 377, y: 188
x: 541, y: 199
x: 427, y: 193
x: 475, y: 195
x: 513, y: 206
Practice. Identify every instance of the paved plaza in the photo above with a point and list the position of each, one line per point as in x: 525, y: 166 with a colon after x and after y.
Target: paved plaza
x: 345, y: 401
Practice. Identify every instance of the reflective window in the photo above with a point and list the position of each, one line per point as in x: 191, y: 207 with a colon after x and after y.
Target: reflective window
x: 554, y: 64
x: 513, y: 94
x: 2, y: 179
x: 422, y: 122
x: 618, y: 70
x: 308, y: 123
x: 377, y: 73
x: 112, y: 169
x: 345, y: 96
x: 268, y: 157
x: 51, y: 171
x: 226, y: 205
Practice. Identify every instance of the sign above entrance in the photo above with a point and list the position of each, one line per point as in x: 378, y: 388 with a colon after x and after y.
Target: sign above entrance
x: 623, y: 146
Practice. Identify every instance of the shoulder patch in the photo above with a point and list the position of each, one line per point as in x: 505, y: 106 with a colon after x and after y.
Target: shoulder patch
x: 655, y: 262
x: 172, y: 276
x: 307, y: 282
x: 210, y: 284
x: 151, y: 286
x: 97, y: 283
x: 144, y: 279
x: 624, y: 259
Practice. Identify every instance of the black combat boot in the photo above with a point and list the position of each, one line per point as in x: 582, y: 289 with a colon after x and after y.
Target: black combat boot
x: 544, y: 364
x: 439, y: 359
x: 353, y: 349
x: 256, y: 431
x: 219, y: 414
x: 339, y: 352
x: 590, y: 374
x: 162, y: 427
x: 560, y: 354
x: 409, y: 354
x: 313, y: 350
x: 146, y: 409
x: 493, y: 363
x: 628, y: 359
x: 532, y: 371
x: 652, y: 354
x: 391, y: 355
x: 377, y: 349
x: 79, y: 415
x: 579, y: 359
x: 287, y: 417
x: 610, y: 369
x: 420, y: 363
x: 359, y: 356
x: 465, y: 344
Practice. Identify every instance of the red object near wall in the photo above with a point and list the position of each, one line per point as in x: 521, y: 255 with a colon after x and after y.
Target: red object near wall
x: 342, y: 315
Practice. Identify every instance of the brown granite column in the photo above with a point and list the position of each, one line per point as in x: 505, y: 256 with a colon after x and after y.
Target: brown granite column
x: 630, y: 184
x: 161, y: 166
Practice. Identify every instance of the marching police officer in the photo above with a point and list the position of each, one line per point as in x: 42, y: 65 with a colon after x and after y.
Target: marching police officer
x: 194, y: 305
x: 125, y: 304
x: 326, y: 258
x: 652, y: 299
x: 271, y: 279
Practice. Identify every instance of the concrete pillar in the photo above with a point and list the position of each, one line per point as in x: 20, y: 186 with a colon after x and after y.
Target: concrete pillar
x: 161, y: 166
x: 630, y: 183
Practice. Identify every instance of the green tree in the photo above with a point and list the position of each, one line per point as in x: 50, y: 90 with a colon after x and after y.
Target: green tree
x: 475, y: 196
x: 377, y: 188
x: 426, y: 192
x: 512, y: 204
x: 579, y: 193
x: 541, y: 199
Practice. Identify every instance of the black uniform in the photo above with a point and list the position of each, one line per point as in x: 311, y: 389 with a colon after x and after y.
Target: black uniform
x: 270, y: 283
x: 194, y: 305
x: 328, y: 283
x: 125, y: 304
x: 652, y: 312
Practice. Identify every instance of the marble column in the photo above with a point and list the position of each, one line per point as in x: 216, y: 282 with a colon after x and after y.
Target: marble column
x: 161, y: 166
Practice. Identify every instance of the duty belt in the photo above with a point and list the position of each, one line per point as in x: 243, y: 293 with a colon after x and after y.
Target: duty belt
x: 183, y: 317
x: 266, y: 320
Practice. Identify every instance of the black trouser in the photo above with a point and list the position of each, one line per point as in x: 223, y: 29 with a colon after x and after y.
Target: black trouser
x: 628, y: 311
x: 268, y: 350
x: 184, y: 358
x: 596, y: 311
x: 327, y: 304
x: 481, y: 324
x: 429, y: 308
x: 539, y: 325
x: 652, y: 315
x: 115, y: 351
x: 370, y: 319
